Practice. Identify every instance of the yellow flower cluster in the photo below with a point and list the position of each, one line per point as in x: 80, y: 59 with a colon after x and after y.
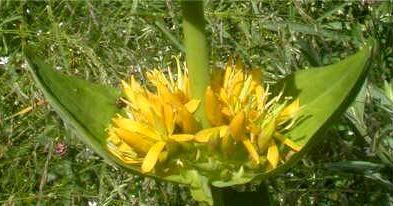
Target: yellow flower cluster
x: 238, y: 108
x: 240, y: 102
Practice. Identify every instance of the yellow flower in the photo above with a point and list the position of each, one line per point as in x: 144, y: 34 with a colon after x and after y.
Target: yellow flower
x: 142, y: 134
x: 238, y: 106
x: 253, y: 117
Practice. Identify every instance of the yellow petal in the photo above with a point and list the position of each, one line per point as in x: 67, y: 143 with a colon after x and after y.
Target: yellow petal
x: 182, y: 96
x: 289, y: 111
x: 217, y: 78
x: 128, y: 91
x: 237, y: 126
x: 236, y: 84
x: 266, y: 135
x: 213, y: 110
x: 145, y: 107
x: 135, y: 140
x: 169, y: 118
x: 187, y: 122
x: 205, y: 135
x: 167, y: 96
x: 186, y: 86
x: 251, y: 150
x: 127, y: 151
x: 253, y: 128
x: 152, y: 156
x: 261, y: 96
x: 272, y: 154
x: 134, y: 126
x: 157, y: 77
x: 226, y: 111
x: 181, y: 137
x: 131, y: 89
x: 135, y: 86
x: 122, y: 157
x: 192, y: 105
x: 295, y: 147
x: 123, y: 151
x: 112, y: 137
x: 158, y: 119
x: 239, y: 64
x: 224, y: 131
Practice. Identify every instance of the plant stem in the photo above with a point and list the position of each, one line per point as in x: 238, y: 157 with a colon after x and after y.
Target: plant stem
x: 197, y: 57
x: 231, y: 197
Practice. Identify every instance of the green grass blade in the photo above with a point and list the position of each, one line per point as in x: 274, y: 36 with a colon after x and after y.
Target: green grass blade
x: 169, y: 35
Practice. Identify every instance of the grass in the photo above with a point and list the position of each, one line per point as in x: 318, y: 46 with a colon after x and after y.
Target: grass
x: 43, y: 163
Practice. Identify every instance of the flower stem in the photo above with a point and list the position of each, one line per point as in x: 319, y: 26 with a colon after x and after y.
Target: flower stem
x: 197, y: 57
x: 228, y: 196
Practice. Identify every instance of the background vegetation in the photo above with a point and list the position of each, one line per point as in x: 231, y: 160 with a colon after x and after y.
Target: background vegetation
x: 42, y: 162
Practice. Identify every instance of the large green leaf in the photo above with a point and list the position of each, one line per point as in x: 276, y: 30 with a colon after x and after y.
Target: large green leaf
x: 324, y: 93
x: 86, y: 107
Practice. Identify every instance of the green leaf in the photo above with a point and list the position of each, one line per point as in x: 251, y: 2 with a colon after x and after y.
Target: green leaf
x: 324, y: 93
x: 357, y: 167
x: 85, y: 106
x: 388, y: 88
x: 368, y: 169
x: 238, y: 178
x: 355, y: 113
x: 199, y: 185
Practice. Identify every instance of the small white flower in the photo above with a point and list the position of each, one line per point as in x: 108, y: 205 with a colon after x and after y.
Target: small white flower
x: 92, y: 203
x: 4, y: 60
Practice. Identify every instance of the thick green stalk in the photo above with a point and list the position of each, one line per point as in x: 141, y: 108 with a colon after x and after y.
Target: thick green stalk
x: 230, y: 197
x: 197, y: 57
